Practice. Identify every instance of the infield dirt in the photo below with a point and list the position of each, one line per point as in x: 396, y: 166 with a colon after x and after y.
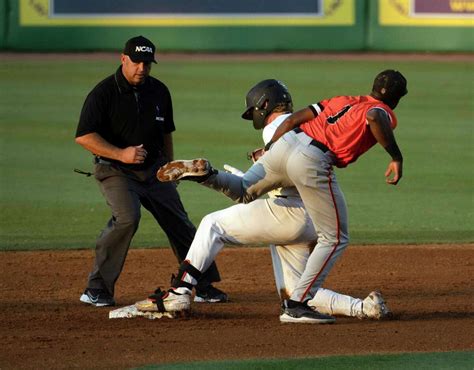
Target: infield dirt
x: 44, y: 325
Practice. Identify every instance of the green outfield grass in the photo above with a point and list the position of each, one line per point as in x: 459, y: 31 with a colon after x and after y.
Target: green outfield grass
x: 403, y: 361
x: 45, y: 205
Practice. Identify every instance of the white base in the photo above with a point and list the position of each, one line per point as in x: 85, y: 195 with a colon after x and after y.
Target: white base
x: 129, y: 312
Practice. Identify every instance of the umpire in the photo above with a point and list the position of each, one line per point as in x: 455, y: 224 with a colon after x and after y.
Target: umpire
x: 127, y: 123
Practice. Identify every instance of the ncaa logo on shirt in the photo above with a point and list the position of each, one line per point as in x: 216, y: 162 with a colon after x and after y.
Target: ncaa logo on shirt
x: 158, y: 117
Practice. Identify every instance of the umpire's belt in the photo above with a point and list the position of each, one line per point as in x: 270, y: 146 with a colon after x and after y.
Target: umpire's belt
x: 314, y: 142
x: 98, y: 160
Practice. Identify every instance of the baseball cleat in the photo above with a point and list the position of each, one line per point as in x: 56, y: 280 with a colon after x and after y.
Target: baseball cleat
x: 161, y: 301
x: 97, y: 297
x: 298, y: 312
x: 210, y: 295
x: 374, y: 307
x: 195, y: 169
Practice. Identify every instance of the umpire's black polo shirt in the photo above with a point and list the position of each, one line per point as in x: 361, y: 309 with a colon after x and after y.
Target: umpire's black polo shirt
x: 125, y: 115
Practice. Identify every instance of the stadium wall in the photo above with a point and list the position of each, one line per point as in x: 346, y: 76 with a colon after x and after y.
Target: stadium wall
x: 425, y: 25
x: 3, y: 24
x: 223, y: 26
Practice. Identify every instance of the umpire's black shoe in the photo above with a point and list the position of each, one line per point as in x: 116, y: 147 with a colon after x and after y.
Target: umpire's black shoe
x: 210, y: 294
x: 97, y: 297
x: 298, y: 312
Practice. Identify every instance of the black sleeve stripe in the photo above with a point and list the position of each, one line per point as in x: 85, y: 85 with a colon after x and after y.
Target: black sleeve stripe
x: 316, y: 108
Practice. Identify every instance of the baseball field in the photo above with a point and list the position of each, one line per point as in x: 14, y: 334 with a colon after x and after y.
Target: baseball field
x: 414, y: 242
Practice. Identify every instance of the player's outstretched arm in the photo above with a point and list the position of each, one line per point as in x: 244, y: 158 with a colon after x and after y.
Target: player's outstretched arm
x: 379, y: 123
x: 233, y: 170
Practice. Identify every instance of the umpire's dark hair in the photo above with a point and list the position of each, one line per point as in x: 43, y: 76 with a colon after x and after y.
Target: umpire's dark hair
x: 389, y: 86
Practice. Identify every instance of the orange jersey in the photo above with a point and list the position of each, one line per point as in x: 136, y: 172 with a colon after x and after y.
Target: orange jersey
x: 342, y: 126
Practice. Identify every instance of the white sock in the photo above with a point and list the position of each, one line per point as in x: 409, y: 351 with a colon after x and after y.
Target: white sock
x: 331, y: 303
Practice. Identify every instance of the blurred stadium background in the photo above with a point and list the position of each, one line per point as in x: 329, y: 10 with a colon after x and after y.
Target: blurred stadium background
x: 304, y: 43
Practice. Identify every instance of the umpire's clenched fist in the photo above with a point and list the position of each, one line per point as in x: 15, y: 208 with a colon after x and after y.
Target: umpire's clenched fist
x: 133, y: 154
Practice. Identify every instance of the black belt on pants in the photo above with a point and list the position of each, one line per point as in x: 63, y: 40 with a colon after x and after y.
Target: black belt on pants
x: 98, y: 160
x: 314, y: 142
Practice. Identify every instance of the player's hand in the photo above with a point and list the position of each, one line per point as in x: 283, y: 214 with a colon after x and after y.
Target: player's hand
x: 394, y: 172
x: 233, y: 170
x: 133, y: 154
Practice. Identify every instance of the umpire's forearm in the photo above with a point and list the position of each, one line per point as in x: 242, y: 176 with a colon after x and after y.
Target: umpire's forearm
x: 97, y: 145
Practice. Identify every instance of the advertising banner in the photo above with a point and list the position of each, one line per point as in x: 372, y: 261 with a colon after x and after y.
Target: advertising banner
x: 427, y: 13
x: 166, y: 13
x: 188, y: 25
x: 421, y: 25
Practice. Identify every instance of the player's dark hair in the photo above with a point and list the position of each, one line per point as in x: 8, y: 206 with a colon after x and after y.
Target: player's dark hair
x: 389, y: 86
x: 283, y: 108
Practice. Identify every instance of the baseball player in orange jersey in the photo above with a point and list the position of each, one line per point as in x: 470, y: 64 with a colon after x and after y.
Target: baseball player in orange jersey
x: 343, y: 129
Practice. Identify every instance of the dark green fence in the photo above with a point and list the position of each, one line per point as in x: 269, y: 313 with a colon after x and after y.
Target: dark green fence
x: 3, y: 23
x: 245, y: 25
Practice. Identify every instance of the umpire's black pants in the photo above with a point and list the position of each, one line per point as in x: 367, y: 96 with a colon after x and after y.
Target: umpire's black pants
x: 125, y: 191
